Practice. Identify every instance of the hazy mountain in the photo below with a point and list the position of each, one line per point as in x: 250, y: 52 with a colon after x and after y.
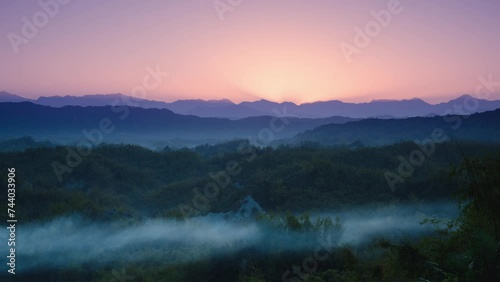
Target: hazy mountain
x: 377, y: 108
x: 464, y: 103
x: 214, y: 108
x: 99, y: 100
x: 227, y: 109
x: 477, y: 127
x: 7, y: 97
x: 23, y: 143
x: 141, y: 126
x: 187, y: 106
x: 269, y: 106
x: 198, y: 107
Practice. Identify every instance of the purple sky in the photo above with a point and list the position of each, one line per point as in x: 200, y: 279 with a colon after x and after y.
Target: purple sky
x: 291, y: 50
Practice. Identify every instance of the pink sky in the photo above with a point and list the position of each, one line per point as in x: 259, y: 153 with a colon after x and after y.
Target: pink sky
x: 275, y: 50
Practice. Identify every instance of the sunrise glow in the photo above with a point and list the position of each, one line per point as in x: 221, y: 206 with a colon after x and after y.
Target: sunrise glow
x: 256, y: 52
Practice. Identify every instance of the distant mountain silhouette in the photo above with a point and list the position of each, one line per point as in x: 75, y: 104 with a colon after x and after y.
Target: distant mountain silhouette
x: 214, y: 108
x: 7, y: 97
x: 227, y: 109
x: 477, y: 127
x: 465, y: 102
x: 99, y: 100
x: 140, y: 126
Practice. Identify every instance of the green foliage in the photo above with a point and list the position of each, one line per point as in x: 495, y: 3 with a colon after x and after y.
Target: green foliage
x: 118, y: 182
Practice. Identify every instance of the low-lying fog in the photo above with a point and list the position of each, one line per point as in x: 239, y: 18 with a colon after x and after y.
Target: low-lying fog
x: 73, y: 240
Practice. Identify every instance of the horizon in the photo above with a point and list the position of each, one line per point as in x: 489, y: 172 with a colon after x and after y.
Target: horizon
x: 250, y: 50
x: 490, y: 98
x: 250, y: 140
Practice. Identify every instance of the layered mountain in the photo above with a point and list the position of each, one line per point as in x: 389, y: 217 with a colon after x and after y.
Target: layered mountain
x: 481, y: 127
x: 142, y: 126
x: 116, y: 99
x: 227, y: 109
x: 7, y: 97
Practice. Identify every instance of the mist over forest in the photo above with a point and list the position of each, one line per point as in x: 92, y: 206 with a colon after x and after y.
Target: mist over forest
x: 242, y: 208
x: 249, y: 141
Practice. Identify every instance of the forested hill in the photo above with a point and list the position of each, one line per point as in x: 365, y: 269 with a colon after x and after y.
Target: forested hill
x: 140, y: 182
x: 138, y: 125
x: 483, y: 127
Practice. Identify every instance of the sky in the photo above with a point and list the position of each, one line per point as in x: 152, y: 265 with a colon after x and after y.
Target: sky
x: 247, y: 50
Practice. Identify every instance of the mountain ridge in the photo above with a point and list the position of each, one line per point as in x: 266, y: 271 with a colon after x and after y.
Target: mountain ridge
x: 138, y: 125
x: 481, y: 127
x: 225, y: 108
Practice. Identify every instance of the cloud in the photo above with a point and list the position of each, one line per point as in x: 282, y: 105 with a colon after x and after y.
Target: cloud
x: 70, y: 241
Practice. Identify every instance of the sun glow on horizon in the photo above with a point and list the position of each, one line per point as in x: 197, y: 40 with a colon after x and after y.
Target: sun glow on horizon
x: 262, y: 50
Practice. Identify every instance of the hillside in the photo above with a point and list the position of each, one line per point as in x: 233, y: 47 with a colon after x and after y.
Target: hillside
x: 142, y: 126
x: 373, y: 132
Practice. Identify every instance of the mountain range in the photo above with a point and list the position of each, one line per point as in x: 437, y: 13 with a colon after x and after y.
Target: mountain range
x: 481, y: 127
x: 161, y: 127
x: 134, y: 125
x: 227, y: 109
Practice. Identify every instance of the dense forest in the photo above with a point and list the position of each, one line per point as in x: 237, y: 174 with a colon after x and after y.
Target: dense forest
x: 295, y: 189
